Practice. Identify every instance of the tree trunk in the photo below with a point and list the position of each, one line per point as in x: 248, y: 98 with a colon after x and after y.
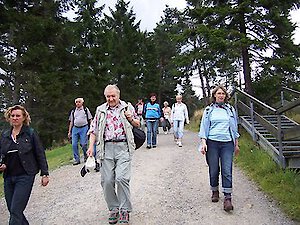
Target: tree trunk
x: 245, y: 55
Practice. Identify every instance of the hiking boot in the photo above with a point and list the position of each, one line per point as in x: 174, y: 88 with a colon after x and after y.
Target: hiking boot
x: 215, y: 196
x: 113, y: 216
x: 227, y: 204
x: 124, y: 218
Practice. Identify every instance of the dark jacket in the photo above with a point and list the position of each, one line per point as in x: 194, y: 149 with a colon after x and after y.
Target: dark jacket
x: 31, y: 151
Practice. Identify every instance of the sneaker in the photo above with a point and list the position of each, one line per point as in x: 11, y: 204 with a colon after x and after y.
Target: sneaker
x: 215, y: 196
x: 113, y: 216
x: 124, y: 218
x: 76, y: 163
x: 227, y: 204
x: 153, y: 146
x: 179, y: 144
x: 148, y: 146
x: 166, y: 132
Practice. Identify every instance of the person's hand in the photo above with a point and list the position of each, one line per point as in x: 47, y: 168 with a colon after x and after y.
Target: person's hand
x: 45, y: 181
x: 128, y: 115
x: 236, y: 150
x: 187, y: 122
x: 90, y: 151
x: 69, y: 135
x: 2, y: 167
x: 203, y: 149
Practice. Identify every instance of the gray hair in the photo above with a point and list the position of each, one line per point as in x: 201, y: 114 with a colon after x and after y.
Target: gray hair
x: 79, y: 99
x: 112, y: 86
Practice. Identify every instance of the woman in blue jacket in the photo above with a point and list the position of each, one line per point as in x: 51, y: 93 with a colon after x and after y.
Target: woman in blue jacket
x: 152, y: 114
x: 219, y: 140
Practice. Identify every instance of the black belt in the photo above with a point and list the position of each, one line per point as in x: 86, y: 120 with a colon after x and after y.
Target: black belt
x: 124, y: 140
x: 80, y: 126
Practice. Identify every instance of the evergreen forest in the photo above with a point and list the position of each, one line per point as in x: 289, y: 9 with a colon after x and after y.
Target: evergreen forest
x: 48, y: 60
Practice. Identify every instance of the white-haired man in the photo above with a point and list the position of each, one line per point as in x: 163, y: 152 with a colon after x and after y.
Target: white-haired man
x: 111, y: 130
x: 79, y: 120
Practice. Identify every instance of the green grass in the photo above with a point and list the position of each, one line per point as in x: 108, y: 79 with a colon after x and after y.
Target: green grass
x: 56, y: 158
x: 282, y: 185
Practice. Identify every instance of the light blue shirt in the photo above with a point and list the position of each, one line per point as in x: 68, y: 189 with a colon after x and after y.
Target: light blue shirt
x: 205, y: 124
x: 219, y: 126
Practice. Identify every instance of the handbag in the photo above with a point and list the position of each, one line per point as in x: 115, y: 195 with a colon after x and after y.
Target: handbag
x: 90, y: 164
x: 138, y: 134
x: 139, y: 137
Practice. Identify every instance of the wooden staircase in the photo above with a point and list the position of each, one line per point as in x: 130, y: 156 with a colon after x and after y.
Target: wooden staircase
x: 290, y: 148
x: 272, y: 130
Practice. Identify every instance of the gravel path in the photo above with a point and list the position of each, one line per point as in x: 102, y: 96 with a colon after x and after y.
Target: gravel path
x: 169, y: 186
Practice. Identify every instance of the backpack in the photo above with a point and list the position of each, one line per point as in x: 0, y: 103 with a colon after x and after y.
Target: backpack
x: 86, y: 114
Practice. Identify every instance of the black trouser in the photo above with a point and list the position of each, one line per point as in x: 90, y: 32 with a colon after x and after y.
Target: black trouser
x: 166, y: 125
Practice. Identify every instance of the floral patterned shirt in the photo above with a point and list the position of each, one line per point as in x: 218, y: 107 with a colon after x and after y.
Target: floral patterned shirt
x: 114, y: 128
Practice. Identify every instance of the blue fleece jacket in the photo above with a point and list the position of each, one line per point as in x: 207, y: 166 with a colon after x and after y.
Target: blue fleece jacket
x: 152, y: 111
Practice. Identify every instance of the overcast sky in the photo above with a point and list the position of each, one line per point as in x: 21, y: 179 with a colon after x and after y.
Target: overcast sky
x: 148, y: 11
x: 151, y: 11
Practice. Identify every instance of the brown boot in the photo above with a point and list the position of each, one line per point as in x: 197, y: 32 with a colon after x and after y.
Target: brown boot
x: 215, y: 196
x: 227, y: 204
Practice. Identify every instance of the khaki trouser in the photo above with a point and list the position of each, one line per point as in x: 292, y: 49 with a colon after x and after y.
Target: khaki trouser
x: 115, y: 175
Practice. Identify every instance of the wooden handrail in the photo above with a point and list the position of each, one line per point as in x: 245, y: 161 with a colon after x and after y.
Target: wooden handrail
x: 291, y: 90
x: 288, y: 106
x: 264, y: 105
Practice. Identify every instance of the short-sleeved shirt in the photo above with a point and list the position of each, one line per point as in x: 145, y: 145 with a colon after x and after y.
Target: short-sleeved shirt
x: 114, y: 128
x: 80, y: 117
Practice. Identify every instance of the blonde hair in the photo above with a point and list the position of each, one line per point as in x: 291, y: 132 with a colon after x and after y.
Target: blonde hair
x: 178, y: 97
x: 26, y: 115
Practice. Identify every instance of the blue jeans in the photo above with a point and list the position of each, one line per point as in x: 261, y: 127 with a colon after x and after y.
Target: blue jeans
x: 152, y: 127
x: 220, y: 152
x: 178, y: 126
x: 81, y: 135
x: 17, y: 190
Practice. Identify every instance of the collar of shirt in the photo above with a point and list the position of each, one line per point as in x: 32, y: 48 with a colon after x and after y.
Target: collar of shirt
x: 113, y: 108
x: 80, y: 108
